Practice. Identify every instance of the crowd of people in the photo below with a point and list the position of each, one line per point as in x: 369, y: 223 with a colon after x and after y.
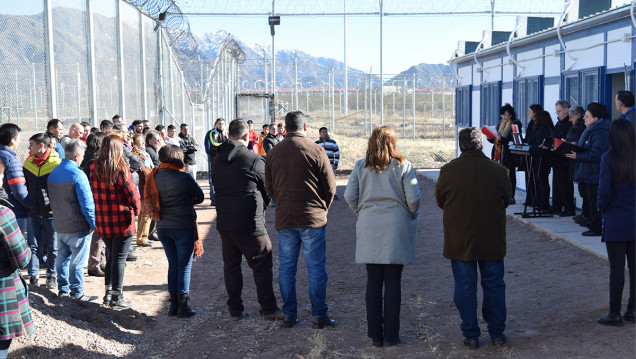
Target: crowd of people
x: 80, y: 199
x: 599, y: 157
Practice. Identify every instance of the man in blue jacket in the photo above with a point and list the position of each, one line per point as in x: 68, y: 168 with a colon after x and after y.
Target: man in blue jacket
x: 74, y: 211
x: 331, y: 148
x: 14, y: 183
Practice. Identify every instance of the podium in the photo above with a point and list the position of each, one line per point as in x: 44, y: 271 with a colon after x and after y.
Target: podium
x: 524, y: 150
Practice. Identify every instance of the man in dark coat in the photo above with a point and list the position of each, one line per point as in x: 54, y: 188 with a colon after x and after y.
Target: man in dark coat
x: 562, y: 192
x: 474, y: 192
x: 238, y: 176
x: 625, y: 105
x: 190, y: 148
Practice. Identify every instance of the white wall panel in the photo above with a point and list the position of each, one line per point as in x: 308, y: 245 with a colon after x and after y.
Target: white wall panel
x: 506, y: 96
x: 508, y: 74
x: 492, y: 70
x: 532, y: 63
x: 619, y: 53
x: 552, y: 63
x: 476, y: 76
x: 550, y: 97
x: 585, y: 58
x: 464, y: 74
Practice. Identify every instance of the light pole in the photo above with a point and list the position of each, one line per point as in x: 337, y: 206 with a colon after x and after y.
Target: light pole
x: 323, y: 95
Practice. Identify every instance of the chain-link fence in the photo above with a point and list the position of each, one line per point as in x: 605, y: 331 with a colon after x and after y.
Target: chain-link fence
x: 80, y: 60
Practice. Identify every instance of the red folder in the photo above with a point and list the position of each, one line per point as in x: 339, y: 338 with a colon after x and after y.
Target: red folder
x: 489, y: 131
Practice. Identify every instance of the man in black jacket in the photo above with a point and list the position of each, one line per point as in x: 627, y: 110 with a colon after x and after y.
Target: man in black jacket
x: 190, y: 149
x: 238, y: 176
x: 562, y: 192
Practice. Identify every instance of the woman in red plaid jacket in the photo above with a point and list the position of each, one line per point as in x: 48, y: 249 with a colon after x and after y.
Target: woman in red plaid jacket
x: 116, y: 205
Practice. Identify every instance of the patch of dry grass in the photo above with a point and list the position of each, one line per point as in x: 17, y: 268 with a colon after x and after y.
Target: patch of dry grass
x: 422, y: 153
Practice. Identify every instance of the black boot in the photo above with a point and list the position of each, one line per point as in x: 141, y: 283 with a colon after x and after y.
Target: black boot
x: 184, y: 309
x: 117, y: 301
x: 174, y: 304
x: 107, y: 296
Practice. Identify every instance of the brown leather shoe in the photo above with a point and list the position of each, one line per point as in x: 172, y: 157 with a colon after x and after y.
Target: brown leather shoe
x: 326, y: 322
x: 96, y: 272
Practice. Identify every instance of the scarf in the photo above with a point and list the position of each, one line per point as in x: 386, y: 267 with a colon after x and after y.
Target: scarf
x: 39, y: 161
x: 151, y: 201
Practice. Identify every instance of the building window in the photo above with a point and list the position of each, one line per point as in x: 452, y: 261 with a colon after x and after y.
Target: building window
x: 527, y: 91
x: 490, y: 102
x: 632, y: 81
x: 582, y: 87
x: 463, y: 105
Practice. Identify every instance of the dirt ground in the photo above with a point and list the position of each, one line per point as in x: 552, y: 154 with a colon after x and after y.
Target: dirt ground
x: 555, y: 292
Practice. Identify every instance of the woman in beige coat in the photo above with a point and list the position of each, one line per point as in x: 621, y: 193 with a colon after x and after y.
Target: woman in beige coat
x: 384, y: 194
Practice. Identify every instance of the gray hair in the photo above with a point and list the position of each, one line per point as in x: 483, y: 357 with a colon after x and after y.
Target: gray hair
x: 562, y: 103
x: 469, y: 139
x: 73, y: 147
x: 577, y: 110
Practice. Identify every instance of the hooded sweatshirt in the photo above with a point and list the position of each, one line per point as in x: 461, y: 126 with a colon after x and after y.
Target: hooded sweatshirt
x: 238, y: 176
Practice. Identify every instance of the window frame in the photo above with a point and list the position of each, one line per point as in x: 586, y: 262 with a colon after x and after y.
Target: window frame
x: 463, y: 106
x: 580, y: 75
x: 521, y: 105
x: 489, y: 103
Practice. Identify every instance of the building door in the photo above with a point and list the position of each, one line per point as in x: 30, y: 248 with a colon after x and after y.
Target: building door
x: 615, y: 82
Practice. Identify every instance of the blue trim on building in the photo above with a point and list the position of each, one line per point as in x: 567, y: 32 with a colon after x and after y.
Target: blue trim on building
x: 552, y: 80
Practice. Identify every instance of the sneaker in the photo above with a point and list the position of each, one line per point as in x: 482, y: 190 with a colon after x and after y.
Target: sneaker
x: 499, y: 341
x: 34, y: 280
x: 320, y: 323
x: 62, y: 294
x: 144, y: 244
x: 51, y: 282
x: 131, y: 257
x: 83, y: 297
x: 472, y: 343
x: 612, y: 319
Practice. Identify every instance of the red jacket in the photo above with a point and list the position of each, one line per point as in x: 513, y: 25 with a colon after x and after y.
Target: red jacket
x: 115, y: 206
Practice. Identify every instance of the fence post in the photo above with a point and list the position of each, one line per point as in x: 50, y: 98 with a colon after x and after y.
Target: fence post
x: 142, y: 44
x: 161, y: 84
x: 296, y: 81
x: 120, y: 63
x: 17, y: 98
x: 35, y: 95
x: 50, y: 61
x: 413, y: 104
x: 404, y: 109
x: 443, y: 106
x: 92, y: 106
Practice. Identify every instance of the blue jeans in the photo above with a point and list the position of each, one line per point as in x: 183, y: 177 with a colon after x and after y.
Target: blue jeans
x: 314, y: 247
x: 494, y: 305
x: 41, y: 237
x: 71, y: 261
x: 22, y: 224
x: 179, y: 247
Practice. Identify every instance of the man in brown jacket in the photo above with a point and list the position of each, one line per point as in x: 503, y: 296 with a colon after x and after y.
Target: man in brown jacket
x: 298, y: 177
x: 474, y: 192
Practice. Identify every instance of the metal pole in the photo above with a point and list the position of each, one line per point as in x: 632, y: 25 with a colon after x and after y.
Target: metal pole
x: 17, y: 98
x: 50, y: 61
x: 443, y: 106
x: 161, y: 99
x: 92, y: 99
x: 35, y: 95
x: 346, y: 69
x: 296, y: 80
x: 370, y: 101
x: 120, y: 62
x: 404, y: 109
x: 266, y: 84
x: 413, y: 104
x: 142, y: 45
x: 274, y: 60
x: 381, y: 68
x: 366, y: 80
x: 78, y: 93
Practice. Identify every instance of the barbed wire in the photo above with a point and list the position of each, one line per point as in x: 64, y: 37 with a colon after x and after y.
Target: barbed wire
x: 168, y: 15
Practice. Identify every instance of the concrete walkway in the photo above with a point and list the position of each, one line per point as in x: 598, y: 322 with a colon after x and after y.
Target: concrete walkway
x: 557, y: 227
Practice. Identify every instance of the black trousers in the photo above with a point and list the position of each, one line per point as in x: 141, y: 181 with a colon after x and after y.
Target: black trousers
x: 585, y: 206
x: 258, y: 253
x: 116, y: 262
x: 384, y: 320
x: 590, y: 190
x: 538, y: 186
x: 512, y: 175
x: 616, y: 253
x: 562, y: 190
